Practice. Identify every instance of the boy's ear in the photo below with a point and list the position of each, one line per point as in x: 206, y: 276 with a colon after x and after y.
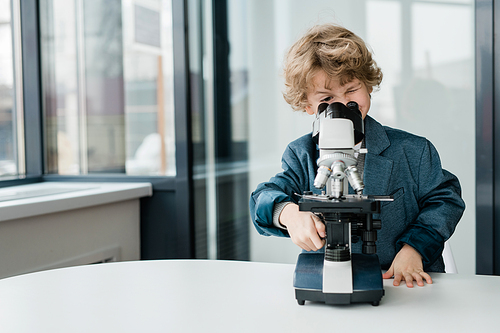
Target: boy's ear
x: 309, y: 110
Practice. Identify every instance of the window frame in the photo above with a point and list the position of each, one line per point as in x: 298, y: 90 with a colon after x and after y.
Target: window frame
x: 487, y: 153
x: 178, y: 188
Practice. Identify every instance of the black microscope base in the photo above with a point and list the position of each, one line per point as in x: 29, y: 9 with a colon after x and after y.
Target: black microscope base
x: 367, y: 280
x: 359, y: 296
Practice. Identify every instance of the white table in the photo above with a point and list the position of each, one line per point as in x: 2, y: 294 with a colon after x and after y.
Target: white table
x: 225, y: 296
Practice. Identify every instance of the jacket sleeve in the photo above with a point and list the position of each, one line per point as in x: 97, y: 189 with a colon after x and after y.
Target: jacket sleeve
x: 280, y: 188
x: 440, y: 208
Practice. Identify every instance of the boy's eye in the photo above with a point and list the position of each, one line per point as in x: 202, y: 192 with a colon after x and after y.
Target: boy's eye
x: 326, y: 99
x: 351, y: 91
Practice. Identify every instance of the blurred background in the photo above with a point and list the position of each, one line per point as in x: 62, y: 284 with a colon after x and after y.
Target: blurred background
x: 111, y: 101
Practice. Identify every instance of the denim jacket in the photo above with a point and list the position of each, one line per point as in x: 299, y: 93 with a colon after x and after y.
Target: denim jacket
x: 427, y: 199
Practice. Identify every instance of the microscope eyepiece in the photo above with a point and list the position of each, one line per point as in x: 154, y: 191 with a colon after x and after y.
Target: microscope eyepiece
x: 353, y: 105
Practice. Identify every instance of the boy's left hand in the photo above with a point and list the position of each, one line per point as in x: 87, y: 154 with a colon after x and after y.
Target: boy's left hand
x: 407, y: 266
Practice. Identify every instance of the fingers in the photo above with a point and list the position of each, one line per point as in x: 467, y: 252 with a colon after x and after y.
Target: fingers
x: 312, y: 243
x: 407, y: 266
x: 308, y: 235
x: 409, y: 279
x: 388, y: 274
x: 407, y: 276
x: 315, y: 239
x: 304, y: 242
x: 418, y: 277
x: 320, y: 235
x: 302, y: 245
x: 318, y: 242
x: 427, y: 277
x: 397, y: 279
x: 320, y: 227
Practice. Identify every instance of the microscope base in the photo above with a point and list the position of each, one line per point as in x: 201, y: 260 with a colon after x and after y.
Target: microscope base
x: 367, y: 280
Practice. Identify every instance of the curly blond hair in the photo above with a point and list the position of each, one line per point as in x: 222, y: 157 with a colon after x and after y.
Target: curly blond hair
x: 340, y: 53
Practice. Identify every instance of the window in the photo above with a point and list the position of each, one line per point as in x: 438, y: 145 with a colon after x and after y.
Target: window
x: 11, y: 133
x: 107, y: 68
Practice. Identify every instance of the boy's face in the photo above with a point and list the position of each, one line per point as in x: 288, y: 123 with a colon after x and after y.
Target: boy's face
x: 326, y: 90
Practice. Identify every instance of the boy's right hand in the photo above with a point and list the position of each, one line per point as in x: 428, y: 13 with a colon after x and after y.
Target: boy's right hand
x: 306, y: 229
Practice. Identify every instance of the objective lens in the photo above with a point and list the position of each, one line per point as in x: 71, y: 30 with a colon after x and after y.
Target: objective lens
x: 321, y: 177
x: 354, y: 179
x: 337, y: 186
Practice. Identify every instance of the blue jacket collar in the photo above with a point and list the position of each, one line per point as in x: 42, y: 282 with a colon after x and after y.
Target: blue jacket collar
x: 376, y: 137
x: 378, y: 168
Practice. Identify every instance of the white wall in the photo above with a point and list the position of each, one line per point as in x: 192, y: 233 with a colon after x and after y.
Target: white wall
x: 435, y: 99
x: 59, y: 224
x: 68, y: 238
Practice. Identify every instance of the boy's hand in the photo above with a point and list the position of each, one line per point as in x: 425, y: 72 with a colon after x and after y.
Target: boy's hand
x: 306, y: 229
x: 407, y: 266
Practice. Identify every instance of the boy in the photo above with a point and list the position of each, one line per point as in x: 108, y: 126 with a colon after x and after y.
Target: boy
x: 331, y: 64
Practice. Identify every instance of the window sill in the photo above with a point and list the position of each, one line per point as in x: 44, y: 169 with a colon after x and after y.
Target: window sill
x: 51, y: 197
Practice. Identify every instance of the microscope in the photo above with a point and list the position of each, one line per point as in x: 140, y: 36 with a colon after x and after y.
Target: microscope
x: 339, y: 276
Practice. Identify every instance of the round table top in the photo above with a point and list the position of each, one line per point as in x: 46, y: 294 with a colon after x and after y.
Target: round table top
x: 230, y: 296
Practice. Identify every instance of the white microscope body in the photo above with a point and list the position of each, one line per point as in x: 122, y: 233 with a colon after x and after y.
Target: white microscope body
x: 338, y: 276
